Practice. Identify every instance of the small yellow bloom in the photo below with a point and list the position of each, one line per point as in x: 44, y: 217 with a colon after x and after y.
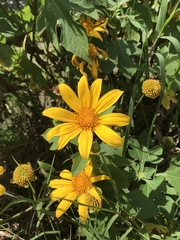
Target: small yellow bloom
x: 80, y: 187
x: 87, y: 116
x: 94, y: 27
x: 1, y: 170
x: 23, y: 175
x: 169, y: 96
x: 2, y: 188
x: 151, y: 88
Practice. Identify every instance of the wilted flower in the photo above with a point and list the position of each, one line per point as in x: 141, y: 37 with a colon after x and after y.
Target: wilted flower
x: 79, y: 187
x: 23, y: 175
x: 151, y: 88
x: 94, y: 27
x: 87, y: 117
x: 168, y: 97
x: 95, y: 55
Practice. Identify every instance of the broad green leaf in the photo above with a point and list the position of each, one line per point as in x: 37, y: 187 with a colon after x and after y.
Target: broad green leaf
x: 175, y: 43
x: 126, y: 66
x: 10, y: 25
x: 109, y: 150
x: 28, y: 67
x: 78, y: 164
x: 160, y: 19
x: 172, y: 175
x: 73, y: 36
x: 155, y: 190
x: 142, y: 207
x: 6, y: 53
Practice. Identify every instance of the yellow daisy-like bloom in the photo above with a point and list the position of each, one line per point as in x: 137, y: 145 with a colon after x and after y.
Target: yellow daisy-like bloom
x: 151, y: 88
x: 79, y: 187
x: 94, y: 27
x: 87, y: 117
x: 2, y: 188
x: 23, y: 175
x: 169, y: 96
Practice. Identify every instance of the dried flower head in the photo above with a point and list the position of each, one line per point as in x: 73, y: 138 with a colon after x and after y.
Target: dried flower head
x: 151, y: 88
x: 23, y: 175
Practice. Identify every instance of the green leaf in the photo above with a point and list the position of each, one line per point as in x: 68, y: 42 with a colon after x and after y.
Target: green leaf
x: 73, y: 36
x: 126, y: 66
x: 160, y: 19
x: 53, y: 140
x: 172, y: 175
x: 6, y: 56
x: 28, y: 67
x: 45, y: 166
x: 143, y: 207
x: 8, y: 27
x: 175, y: 42
x: 78, y: 164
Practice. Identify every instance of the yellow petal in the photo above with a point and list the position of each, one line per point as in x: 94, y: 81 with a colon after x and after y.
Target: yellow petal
x: 93, y: 191
x: 60, y: 193
x: 95, y: 34
x: 2, y: 190
x: 83, y: 210
x: 107, y: 100
x: 60, y: 114
x: 108, y: 136
x: 67, y: 135
x: 65, y: 204
x: 1, y: 170
x: 85, y: 143
x: 69, y: 97
x: 55, y: 131
x: 99, y: 178
x: 115, y: 119
x: 66, y: 174
x: 88, y: 169
x: 100, y: 29
x: 83, y: 92
x: 58, y: 183
x: 95, y: 91
x: 94, y: 69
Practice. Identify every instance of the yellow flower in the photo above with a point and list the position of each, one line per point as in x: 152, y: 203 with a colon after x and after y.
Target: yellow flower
x: 95, y: 54
x: 151, y: 88
x: 2, y: 188
x: 79, y: 187
x: 1, y: 170
x: 169, y: 96
x: 79, y: 63
x: 23, y: 175
x: 87, y: 117
x: 94, y: 27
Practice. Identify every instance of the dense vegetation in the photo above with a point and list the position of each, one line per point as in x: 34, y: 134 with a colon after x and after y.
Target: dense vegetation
x: 47, y: 43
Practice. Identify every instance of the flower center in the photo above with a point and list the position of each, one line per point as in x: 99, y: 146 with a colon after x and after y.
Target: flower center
x: 81, y: 183
x: 87, y: 118
x: 93, y: 203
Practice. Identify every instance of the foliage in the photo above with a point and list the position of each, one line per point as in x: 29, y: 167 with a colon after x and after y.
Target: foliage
x: 38, y: 39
